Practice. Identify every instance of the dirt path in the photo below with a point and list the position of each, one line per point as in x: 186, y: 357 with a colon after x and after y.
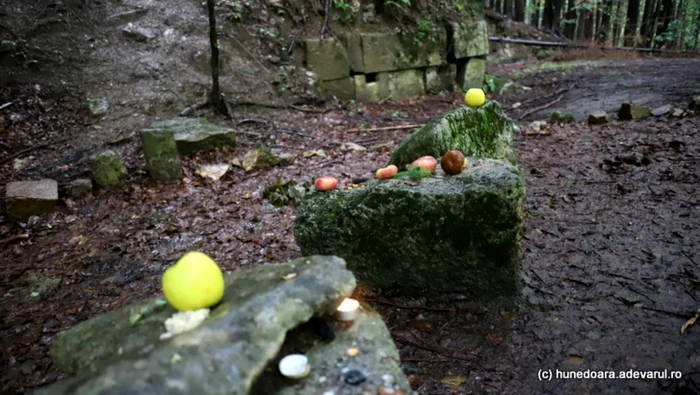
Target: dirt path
x: 610, y: 247
x: 649, y: 82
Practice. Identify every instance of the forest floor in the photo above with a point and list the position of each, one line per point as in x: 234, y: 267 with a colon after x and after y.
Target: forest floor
x: 610, y: 261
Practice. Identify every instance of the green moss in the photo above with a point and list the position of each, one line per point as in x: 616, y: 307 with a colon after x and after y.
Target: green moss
x: 414, y: 173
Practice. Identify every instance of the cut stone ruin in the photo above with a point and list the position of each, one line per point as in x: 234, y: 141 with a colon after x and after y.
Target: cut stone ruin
x: 446, y: 234
x: 266, y: 314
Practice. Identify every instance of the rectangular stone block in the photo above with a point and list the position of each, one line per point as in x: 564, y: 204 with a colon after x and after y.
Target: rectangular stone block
x: 196, y: 134
x: 441, y: 78
x: 353, y: 46
x: 405, y: 83
x: 27, y: 198
x: 343, y: 88
x: 162, y: 156
x: 388, y: 51
x: 468, y: 39
x: 367, y: 92
x: 470, y: 73
x: 327, y: 58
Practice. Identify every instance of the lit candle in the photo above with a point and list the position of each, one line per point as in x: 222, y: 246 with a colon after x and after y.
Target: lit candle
x: 349, y: 310
x: 295, y: 366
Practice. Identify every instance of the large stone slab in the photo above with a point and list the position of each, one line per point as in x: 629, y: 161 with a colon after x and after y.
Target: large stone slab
x: 343, y: 88
x: 449, y: 234
x: 389, y: 51
x: 405, y: 83
x: 631, y: 111
x: 470, y: 74
x: 107, y: 168
x: 162, y: 156
x: 353, y: 46
x: 483, y: 132
x: 27, y: 198
x: 468, y: 39
x: 196, y: 134
x: 222, y: 356
x: 327, y: 58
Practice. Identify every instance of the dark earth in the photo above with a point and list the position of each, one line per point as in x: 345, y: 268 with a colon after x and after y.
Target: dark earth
x: 610, y: 262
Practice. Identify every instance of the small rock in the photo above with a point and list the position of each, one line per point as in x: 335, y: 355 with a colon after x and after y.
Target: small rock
x: 354, y: 377
x: 286, y: 159
x: 382, y: 147
x: 80, y: 187
x: 678, y: 112
x: 27, y: 198
x: 629, y: 112
x: 236, y: 162
x: 98, y: 107
x: 659, y: 111
x: 598, y: 118
x: 259, y: 158
x: 137, y: 33
x: 695, y: 103
x: 213, y: 172
x: 162, y: 156
x: 349, y: 146
x: 561, y: 117
x: 107, y: 169
x: 318, y: 152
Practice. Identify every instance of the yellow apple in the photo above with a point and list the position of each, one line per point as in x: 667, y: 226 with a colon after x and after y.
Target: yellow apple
x: 194, y: 282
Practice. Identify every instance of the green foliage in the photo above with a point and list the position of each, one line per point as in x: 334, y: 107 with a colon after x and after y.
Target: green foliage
x: 348, y: 15
x: 399, y: 5
x: 414, y: 173
x: 233, y: 9
x: 489, y: 84
x: 424, y: 31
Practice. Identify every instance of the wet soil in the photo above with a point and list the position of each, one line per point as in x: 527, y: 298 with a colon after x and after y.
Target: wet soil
x: 610, y: 261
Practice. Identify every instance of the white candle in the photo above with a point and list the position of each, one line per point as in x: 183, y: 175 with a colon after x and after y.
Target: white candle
x: 349, y: 310
x: 295, y: 366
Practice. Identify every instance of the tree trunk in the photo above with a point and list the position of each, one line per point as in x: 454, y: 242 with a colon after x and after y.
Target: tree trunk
x: 570, y: 28
x: 508, y: 8
x: 519, y: 11
x: 552, y: 13
x: 216, y: 99
x: 631, y: 25
x: 681, y: 15
x: 666, y: 16
x: 617, y: 22
x: 647, y: 21
x: 497, y: 6
x: 535, y: 17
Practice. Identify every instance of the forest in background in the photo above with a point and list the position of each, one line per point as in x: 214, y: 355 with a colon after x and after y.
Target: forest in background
x: 663, y: 24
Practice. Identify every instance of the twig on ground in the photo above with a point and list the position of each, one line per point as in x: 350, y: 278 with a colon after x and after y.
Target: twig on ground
x: 195, y: 106
x: 386, y: 302
x: 690, y: 321
x: 398, y: 127
x: 14, y: 238
x: 553, y: 102
x: 560, y: 91
x: 8, y: 104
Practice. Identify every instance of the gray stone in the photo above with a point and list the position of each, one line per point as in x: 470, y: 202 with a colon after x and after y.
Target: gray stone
x: 223, y: 355
x: 353, y: 46
x: 468, y: 39
x: 448, y: 234
x: 598, y: 118
x: 483, y: 132
x: 388, y: 51
x: 629, y: 111
x: 138, y: 33
x: 367, y: 92
x: 405, y: 84
x: 259, y: 158
x: 286, y: 159
x: 343, y: 88
x: 470, y: 74
x: 162, y: 156
x: 678, y: 112
x: 80, y: 187
x: 327, y: 58
x: 448, y: 75
x: 98, y: 107
x: 433, y: 82
x: 561, y: 117
x: 107, y: 169
x: 695, y: 103
x: 663, y: 110
x: 196, y: 134
x: 27, y: 198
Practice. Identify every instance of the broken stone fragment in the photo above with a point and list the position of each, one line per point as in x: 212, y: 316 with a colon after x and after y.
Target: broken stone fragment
x: 259, y: 158
x: 561, y: 117
x: 663, y: 110
x: 196, y: 134
x: 137, y: 33
x: 107, y: 169
x: 162, y: 156
x: 598, y: 118
x: 27, y: 198
x: 285, y: 159
x: 98, y: 107
x: 630, y: 111
x: 80, y: 187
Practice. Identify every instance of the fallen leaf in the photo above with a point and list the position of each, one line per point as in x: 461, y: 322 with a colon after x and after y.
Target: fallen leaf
x: 289, y: 276
x: 352, y: 147
x: 318, y: 152
x: 453, y: 381
x: 690, y: 322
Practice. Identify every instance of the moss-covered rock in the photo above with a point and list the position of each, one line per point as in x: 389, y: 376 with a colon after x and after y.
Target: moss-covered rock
x: 196, y: 134
x: 482, y: 132
x: 448, y: 234
x: 107, y: 168
x: 389, y: 51
x: 561, y: 117
x: 115, y: 353
x: 631, y: 111
x: 162, y: 156
x: 468, y: 39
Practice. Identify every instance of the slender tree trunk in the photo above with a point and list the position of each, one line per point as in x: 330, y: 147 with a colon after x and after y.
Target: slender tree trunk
x: 681, y: 16
x: 519, y: 11
x: 647, y: 21
x: 216, y: 99
x: 570, y: 28
x: 617, y: 22
x: 497, y: 6
x: 508, y: 8
x: 535, y: 16
x: 666, y: 17
x: 552, y: 13
x: 594, y: 20
x: 631, y: 25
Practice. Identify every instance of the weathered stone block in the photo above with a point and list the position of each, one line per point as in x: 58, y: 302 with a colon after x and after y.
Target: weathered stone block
x: 162, y: 156
x: 629, y: 111
x: 470, y: 74
x: 406, y: 83
x: 343, y: 88
x: 327, y: 58
x: 224, y: 355
x: 448, y: 75
x: 482, y: 132
x: 196, y: 134
x: 353, y: 46
x: 598, y: 118
x: 366, y: 91
x: 388, y: 51
x: 441, y: 78
x: 468, y: 39
x: 107, y: 168
x: 27, y: 198
x: 80, y: 187
x: 259, y: 158
x: 561, y: 117
x: 454, y: 234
